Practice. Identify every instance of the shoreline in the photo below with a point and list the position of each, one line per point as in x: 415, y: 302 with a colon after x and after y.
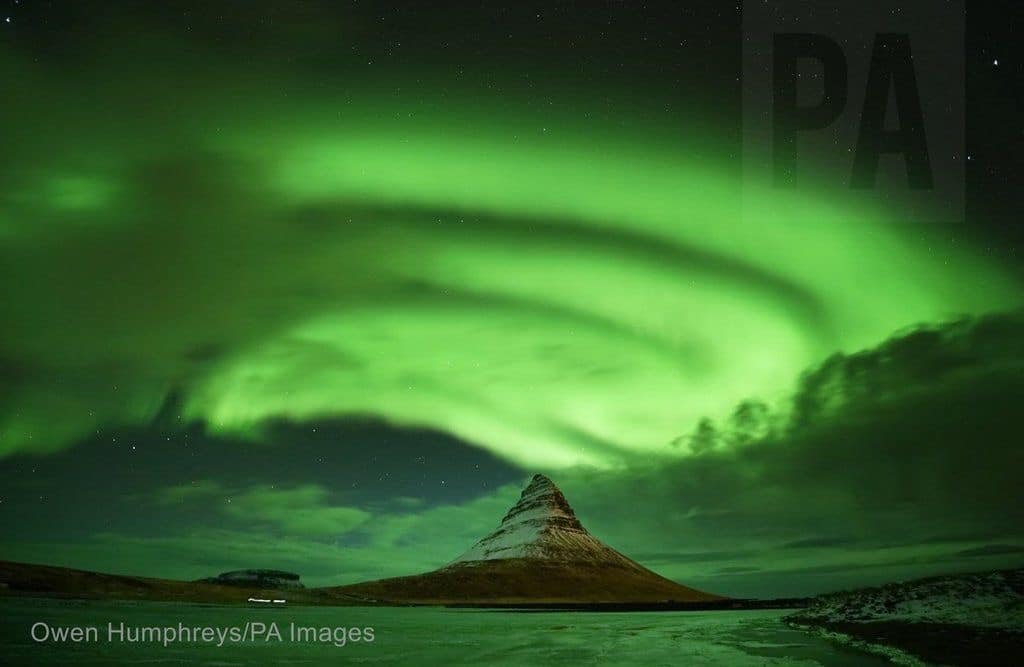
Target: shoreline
x: 326, y: 601
x: 919, y: 643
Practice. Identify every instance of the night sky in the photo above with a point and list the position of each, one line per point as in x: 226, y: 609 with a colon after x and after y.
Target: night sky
x: 318, y: 286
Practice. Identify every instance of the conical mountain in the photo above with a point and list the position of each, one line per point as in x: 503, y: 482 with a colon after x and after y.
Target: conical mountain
x: 539, y: 553
x: 542, y: 525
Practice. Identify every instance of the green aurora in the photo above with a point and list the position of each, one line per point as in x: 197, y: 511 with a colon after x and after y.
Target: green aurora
x: 573, y: 293
x: 553, y: 298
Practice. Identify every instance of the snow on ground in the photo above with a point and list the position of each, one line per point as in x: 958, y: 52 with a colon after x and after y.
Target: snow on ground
x: 992, y: 600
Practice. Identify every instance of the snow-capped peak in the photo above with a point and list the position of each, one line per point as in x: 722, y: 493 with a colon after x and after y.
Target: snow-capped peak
x: 542, y: 500
x: 543, y: 526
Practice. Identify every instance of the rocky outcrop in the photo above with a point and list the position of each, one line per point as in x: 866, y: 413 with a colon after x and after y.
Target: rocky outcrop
x: 257, y: 579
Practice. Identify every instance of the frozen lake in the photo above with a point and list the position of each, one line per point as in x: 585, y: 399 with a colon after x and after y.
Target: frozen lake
x: 421, y: 636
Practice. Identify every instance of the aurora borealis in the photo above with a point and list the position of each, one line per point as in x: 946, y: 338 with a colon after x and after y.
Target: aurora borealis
x: 328, y: 301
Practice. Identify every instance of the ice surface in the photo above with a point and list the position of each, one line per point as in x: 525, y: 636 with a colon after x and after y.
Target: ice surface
x: 430, y: 636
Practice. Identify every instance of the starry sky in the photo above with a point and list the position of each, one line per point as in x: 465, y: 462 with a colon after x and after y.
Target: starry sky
x: 318, y: 286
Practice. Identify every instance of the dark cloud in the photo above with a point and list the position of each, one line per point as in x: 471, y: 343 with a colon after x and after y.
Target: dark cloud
x: 991, y: 550
x: 916, y: 476
x: 817, y: 543
x: 923, y: 360
x: 883, y: 451
x: 361, y: 462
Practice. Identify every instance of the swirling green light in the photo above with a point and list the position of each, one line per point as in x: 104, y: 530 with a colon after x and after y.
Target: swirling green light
x: 558, y: 292
x: 562, y: 302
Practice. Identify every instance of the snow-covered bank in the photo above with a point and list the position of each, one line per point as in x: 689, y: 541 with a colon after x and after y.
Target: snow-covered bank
x: 966, y: 619
x: 991, y: 600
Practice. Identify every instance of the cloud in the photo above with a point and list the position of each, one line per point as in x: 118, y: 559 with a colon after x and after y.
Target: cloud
x: 293, y: 529
x: 992, y: 550
x: 206, y: 551
x: 388, y: 527
x: 197, y: 490
x: 911, y: 447
x: 300, y: 510
x: 894, y: 461
x: 927, y: 360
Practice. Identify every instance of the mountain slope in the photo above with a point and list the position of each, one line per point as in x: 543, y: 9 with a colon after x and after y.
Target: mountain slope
x: 542, y: 526
x: 539, y: 553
